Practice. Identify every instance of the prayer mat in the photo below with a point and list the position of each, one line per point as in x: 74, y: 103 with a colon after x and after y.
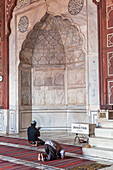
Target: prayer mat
x: 92, y: 166
x: 67, y: 148
x: 31, y: 156
x: 68, y: 162
x: 9, y: 165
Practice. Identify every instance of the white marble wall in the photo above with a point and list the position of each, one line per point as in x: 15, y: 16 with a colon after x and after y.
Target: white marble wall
x: 80, y: 100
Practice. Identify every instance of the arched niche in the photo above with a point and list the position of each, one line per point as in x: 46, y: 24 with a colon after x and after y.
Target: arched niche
x: 52, y: 66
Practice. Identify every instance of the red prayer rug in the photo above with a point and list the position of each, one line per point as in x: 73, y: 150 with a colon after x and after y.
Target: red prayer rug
x: 4, y: 165
x: 67, y: 148
x: 31, y: 155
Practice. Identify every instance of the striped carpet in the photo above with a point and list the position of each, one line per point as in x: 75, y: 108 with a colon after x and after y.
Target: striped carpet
x: 12, y: 166
x: 14, y: 140
x: 31, y: 156
x: 68, y: 148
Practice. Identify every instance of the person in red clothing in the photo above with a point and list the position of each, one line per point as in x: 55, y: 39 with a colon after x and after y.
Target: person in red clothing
x: 33, y: 134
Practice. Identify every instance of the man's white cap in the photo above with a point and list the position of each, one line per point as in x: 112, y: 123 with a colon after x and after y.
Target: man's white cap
x: 33, y: 122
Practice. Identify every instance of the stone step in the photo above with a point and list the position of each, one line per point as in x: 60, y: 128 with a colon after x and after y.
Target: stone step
x: 98, y: 152
x: 104, y: 132
x: 105, y: 123
x: 101, y: 142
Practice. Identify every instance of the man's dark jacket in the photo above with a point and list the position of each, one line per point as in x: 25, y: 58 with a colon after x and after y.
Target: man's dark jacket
x: 32, y: 133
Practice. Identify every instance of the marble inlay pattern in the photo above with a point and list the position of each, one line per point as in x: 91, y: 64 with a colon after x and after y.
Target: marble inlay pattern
x: 109, y: 15
x: 110, y: 40
x: 110, y: 95
x: 110, y: 63
x: 23, y: 24
x: 75, y: 6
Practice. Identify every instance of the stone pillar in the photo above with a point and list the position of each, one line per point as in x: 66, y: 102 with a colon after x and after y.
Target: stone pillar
x: 6, y: 8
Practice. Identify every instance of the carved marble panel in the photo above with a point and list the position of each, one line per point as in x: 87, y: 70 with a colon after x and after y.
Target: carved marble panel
x: 80, y: 76
x: 59, y: 97
x: 59, y: 80
x: 76, y: 77
x: 38, y: 97
x: 81, y: 96
x: 25, y: 86
x: 12, y: 121
x: 38, y: 81
x: 25, y: 119
x: 76, y: 96
x: 50, y: 97
x: 71, y: 77
x: 72, y: 98
x: 26, y: 96
x: 48, y: 87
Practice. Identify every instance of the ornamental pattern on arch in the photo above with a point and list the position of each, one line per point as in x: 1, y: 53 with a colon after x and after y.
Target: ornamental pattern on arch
x: 75, y: 6
x: 53, y: 41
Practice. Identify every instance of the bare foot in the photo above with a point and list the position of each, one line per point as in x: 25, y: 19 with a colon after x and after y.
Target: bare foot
x: 42, y: 157
x: 39, y: 157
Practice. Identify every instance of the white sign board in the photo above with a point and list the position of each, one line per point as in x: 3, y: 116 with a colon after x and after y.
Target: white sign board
x: 80, y: 128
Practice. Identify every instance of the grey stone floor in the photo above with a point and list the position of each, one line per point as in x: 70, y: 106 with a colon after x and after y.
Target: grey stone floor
x: 61, y: 137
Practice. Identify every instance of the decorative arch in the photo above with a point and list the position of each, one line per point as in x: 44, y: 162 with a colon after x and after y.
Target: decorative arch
x: 55, y: 43
x: 29, y: 42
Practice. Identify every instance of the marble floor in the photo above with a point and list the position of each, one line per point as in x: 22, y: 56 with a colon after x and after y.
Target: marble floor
x: 61, y: 137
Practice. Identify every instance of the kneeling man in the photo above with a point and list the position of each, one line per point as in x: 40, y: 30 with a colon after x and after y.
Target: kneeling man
x: 52, y: 150
x: 33, y: 134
